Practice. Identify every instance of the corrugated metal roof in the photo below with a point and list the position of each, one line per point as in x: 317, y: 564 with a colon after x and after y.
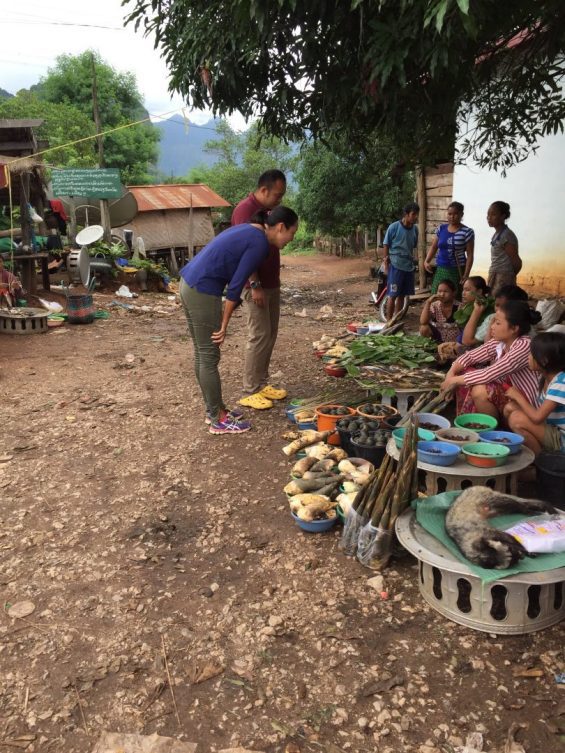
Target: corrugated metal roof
x: 20, y: 122
x: 176, y: 196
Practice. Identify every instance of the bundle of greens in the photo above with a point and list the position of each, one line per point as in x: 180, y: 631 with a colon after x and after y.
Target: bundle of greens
x: 463, y: 313
x: 410, y: 351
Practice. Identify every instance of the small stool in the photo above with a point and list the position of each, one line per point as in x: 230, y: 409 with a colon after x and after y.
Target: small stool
x: 402, y: 400
x: 461, y: 474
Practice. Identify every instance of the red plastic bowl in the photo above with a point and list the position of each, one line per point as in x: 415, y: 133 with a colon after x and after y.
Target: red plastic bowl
x: 335, y: 371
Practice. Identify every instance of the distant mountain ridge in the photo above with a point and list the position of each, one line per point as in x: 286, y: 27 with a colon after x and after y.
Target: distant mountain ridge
x: 180, y: 151
x: 4, y: 93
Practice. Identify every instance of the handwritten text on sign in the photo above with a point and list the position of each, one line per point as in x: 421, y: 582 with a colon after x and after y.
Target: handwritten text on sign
x: 94, y: 183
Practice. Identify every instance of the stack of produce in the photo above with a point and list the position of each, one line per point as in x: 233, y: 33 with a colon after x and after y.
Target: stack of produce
x: 317, y: 477
x: 410, y: 351
x: 369, y: 526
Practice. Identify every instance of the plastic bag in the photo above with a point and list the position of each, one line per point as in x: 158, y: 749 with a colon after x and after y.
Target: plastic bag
x: 541, y: 535
x: 551, y: 311
x: 350, y: 535
x: 374, y: 548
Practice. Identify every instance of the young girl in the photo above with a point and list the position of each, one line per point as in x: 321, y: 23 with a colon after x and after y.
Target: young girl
x: 454, y: 244
x: 543, y: 426
x: 504, y: 260
x: 507, y: 353
x: 477, y: 329
x: 475, y: 289
x: 436, y: 319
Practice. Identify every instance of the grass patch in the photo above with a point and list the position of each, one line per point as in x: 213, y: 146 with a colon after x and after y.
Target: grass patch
x: 301, y: 251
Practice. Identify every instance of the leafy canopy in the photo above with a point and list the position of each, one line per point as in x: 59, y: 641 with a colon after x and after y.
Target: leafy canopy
x: 132, y: 150
x: 62, y: 123
x: 342, y: 188
x: 242, y: 157
x: 409, y: 68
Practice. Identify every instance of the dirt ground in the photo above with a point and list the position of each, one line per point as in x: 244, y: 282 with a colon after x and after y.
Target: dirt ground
x: 138, y: 535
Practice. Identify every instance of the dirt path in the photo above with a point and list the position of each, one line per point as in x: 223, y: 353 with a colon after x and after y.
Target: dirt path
x: 127, y: 524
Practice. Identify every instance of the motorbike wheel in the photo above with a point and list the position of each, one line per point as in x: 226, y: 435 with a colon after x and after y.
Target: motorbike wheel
x: 383, y: 307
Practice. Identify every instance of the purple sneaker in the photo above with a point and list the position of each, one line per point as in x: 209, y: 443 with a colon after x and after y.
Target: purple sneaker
x: 235, y: 414
x: 229, y: 426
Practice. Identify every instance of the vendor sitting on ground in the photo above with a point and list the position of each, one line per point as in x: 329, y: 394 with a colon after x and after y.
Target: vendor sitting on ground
x: 542, y: 426
x: 475, y: 289
x: 436, y: 319
x: 477, y: 329
x: 482, y: 390
x: 10, y: 286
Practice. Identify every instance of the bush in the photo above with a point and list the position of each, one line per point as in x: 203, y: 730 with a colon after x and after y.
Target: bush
x: 303, y: 242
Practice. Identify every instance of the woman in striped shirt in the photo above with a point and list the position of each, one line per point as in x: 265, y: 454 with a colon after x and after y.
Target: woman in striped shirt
x: 482, y: 390
x: 543, y: 426
x: 454, y: 244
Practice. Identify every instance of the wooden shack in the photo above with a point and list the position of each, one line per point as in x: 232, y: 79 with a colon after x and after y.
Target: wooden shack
x: 177, y: 216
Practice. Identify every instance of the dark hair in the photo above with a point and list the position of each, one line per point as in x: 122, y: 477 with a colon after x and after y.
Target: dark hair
x: 287, y: 216
x: 410, y: 207
x: 519, y: 314
x: 511, y: 293
x: 450, y: 284
x: 503, y: 208
x: 548, y: 350
x: 457, y: 205
x: 480, y: 283
x: 269, y: 178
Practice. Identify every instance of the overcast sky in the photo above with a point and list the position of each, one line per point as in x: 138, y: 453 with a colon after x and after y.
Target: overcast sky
x: 34, y: 32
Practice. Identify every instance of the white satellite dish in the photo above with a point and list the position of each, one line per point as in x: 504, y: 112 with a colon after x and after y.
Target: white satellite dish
x: 90, y: 234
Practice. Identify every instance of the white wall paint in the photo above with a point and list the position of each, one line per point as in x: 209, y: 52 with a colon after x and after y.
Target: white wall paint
x: 535, y: 190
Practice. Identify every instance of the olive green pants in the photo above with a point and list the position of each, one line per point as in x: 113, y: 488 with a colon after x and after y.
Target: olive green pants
x: 204, y: 316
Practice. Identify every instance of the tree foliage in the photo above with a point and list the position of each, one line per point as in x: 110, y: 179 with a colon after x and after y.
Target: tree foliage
x: 242, y: 157
x: 409, y: 68
x: 132, y: 150
x: 62, y: 123
x: 341, y: 188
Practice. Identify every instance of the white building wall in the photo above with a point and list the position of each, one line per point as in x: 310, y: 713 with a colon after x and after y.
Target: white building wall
x: 535, y: 190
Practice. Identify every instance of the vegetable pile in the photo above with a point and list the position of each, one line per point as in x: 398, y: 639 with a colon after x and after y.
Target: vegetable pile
x: 410, y: 351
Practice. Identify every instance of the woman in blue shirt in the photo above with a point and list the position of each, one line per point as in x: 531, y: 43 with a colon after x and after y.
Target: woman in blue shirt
x: 454, y: 244
x: 228, y: 260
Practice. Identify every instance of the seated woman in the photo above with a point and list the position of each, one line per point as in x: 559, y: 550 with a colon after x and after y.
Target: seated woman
x: 477, y: 329
x: 482, y: 390
x: 10, y: 285
x: 436, y: 319
x: 542, y: 425
x: 474, y: 289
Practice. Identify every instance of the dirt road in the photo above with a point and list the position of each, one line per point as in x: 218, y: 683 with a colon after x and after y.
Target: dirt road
x: 136, y: 533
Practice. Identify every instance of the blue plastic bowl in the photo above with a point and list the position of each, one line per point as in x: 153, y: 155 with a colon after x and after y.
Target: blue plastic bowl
x: 423, y: 434
x: 433, y: 418
x: 514, y: 441
x: 304, y: 425
x: 316, y: 526
x: 447, y: 456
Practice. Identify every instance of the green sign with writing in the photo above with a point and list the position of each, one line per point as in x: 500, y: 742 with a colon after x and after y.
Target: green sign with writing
x: 102, y: 183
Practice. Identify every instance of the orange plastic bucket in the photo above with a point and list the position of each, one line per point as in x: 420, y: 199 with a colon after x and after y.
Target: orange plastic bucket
x: 327, y: 421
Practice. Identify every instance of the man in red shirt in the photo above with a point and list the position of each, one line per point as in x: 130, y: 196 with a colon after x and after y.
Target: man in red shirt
x: 262, y: 294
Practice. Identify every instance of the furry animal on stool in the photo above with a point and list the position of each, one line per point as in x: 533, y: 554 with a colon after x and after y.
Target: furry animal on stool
x: 466, y: 523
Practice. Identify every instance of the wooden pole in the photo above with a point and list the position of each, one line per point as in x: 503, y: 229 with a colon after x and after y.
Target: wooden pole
x: 423, y: 222
x: 72, y: 228
x: 104, y: 209
x: 190, y: 231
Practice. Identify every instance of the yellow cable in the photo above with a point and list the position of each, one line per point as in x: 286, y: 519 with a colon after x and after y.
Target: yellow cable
x: 89, y: 138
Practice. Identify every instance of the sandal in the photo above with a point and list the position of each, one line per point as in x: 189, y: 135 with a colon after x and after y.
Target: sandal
x: 257, y: 401
x: 271, y: 393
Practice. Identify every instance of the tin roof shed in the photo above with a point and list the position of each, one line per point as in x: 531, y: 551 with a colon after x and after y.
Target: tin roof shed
x: 176, y: 196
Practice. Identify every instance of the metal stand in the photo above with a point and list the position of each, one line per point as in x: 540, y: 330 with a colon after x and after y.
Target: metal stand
x: 461, y: 474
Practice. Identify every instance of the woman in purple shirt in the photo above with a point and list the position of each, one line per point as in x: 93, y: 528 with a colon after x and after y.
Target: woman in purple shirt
x: 226, y: 262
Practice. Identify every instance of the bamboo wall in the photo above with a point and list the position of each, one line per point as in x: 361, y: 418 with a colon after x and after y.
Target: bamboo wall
x: 439, y: 195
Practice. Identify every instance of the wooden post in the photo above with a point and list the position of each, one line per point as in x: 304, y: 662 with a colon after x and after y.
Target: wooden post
x: 72, y: 226
x: 422, y: 224
x: 190, y: 231
x: 104, y: 209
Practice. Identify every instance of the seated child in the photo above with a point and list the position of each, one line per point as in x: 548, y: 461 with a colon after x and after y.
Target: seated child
x: 436, y: 319
x: 543, y: 427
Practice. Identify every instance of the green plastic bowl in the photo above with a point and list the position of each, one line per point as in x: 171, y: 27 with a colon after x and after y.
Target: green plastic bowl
x: 424, y: 435
x: 463, y: 421
x: 485, y: 455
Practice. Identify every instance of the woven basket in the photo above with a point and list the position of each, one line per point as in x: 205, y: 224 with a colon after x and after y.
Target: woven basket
x: 80, y: 309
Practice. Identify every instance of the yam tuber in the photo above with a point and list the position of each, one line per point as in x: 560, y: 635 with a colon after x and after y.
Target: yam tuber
x: 302, y: 466
x: 306, y: 439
